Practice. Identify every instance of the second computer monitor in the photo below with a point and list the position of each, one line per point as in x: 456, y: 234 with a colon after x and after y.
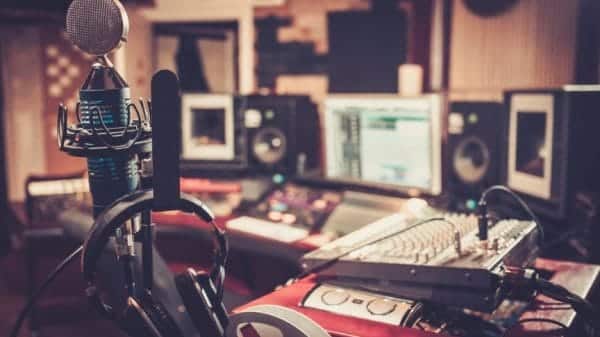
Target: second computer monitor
x: 385, y: 140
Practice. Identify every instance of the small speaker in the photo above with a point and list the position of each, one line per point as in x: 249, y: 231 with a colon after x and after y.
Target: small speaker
x: 475, y: 133
x: 282, y: 134
x: 553, y: 152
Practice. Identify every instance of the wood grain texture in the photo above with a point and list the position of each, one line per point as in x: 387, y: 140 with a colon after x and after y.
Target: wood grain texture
x: 531, y: 46
x: 25, y: 151
x: 64, y: 69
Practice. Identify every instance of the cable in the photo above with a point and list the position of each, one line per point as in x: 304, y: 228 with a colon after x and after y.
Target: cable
x: 521, y: 203
x: 530, y: 279
x: 579, y: 304
x: 35, y: 296
x: 333, y: 260
x: 535, y: 319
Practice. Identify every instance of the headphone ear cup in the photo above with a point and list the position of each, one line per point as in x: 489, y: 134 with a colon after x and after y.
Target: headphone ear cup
x: 202, y: 303
x: 159, y: 316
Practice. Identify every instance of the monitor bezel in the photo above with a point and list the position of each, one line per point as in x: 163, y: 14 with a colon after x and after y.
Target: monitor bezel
x: 224, y: 152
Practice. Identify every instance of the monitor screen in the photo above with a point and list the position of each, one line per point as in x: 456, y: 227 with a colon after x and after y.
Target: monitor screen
x: 208, y: 126
x: 531, y: 138
x: 385, y: 140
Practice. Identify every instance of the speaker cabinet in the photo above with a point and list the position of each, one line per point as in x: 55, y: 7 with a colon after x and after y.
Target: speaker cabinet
x: 282, y: 134
x: 553, y: 143
x: 475, y: 133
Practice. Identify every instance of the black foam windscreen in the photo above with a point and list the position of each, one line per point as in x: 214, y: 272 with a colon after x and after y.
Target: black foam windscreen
x: 166, y: 126
x: 97, y: 26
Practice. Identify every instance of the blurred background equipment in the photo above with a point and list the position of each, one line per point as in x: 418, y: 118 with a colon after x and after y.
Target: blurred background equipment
x: 552, y: 160
x: 254, y: 135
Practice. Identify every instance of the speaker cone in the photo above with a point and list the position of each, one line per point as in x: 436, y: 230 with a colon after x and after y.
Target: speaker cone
x: 269, y: 145
x: 471, y: 160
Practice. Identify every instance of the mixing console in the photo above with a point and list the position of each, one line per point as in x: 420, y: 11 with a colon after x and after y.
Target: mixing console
x: 430, y: 260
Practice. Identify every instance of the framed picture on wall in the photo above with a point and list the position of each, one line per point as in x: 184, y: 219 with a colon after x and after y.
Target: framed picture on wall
x: 207, y: 122
x: 203, y: 55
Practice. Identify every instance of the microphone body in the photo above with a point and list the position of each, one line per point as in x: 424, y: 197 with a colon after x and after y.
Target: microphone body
x: 105, y: 101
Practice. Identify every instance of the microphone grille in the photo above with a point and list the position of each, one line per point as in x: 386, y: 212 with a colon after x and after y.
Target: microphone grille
x: 97, y: 26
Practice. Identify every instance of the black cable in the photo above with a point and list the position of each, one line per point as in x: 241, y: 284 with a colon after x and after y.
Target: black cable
x: 535, y: 319
x: 35, y: 296
x: 521, y: 203
x: 528, y: 278
x: 221, y: 255
x: 327, y: 263
x: 579, y: 304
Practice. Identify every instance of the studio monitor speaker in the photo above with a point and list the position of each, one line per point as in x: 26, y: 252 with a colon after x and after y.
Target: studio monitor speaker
x: 282, y: 134
x: 475, y: 140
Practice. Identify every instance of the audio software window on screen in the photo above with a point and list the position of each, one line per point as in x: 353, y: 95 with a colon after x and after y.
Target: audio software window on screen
x: 389, y: 142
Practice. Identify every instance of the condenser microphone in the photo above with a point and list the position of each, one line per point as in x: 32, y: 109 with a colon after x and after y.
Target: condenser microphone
x: 98, y: 27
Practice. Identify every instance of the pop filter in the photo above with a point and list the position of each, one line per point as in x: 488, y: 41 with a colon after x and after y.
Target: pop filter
x: 97, y: 27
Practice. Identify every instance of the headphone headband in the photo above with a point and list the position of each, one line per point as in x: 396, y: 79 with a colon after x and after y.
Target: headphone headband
x: 125, y: 208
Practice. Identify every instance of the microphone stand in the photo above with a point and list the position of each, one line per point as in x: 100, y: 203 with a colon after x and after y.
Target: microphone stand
x: 147, y: 231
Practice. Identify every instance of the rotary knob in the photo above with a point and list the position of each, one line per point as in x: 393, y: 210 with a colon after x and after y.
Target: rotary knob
x: 335, y: 297
x: 381, y: 307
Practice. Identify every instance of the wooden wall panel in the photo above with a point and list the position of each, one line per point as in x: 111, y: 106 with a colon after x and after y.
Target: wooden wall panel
x: 63, y: 71
x: 138, y: 55
x: 23, y: 119
x: 531, y: 46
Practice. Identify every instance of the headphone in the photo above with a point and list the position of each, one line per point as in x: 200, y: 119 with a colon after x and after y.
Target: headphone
x: 143, y: 315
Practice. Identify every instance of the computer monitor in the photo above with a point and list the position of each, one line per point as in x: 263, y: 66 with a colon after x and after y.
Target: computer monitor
x: 553, y: 158
x: 385, y: 140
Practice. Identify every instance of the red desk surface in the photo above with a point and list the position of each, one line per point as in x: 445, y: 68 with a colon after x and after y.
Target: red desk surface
x: 579, y: 278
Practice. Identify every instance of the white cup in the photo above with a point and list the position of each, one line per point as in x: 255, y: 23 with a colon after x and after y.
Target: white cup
x: 410, y: 80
